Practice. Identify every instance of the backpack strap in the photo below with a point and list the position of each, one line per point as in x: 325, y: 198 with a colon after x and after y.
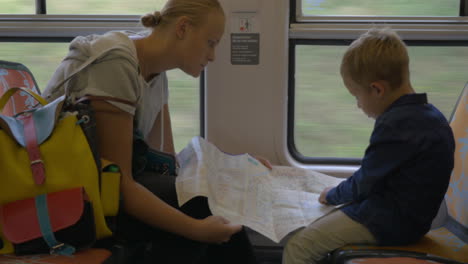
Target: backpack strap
x: 10, y: 92
x: 85, y: 64
x: 32, y: 147
x: 45, y: 226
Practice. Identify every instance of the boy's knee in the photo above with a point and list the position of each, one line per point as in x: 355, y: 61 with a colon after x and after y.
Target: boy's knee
x: 291, y: 250
x: 300, y: 248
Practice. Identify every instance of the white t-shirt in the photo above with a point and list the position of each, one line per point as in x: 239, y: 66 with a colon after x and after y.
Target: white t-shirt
x: 113, y: 73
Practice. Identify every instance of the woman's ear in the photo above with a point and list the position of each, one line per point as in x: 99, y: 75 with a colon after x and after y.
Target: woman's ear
x: 181, y: 26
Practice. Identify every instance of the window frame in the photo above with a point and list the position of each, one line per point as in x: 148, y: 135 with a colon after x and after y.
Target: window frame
x: 62, y: 27
x: 342, y: 30
x: 297, y: 16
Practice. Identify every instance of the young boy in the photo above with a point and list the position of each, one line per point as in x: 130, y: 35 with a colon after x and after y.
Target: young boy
x: 405, y: 172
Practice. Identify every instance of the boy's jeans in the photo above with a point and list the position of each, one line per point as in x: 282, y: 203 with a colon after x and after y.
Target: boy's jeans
x: 312, y: 243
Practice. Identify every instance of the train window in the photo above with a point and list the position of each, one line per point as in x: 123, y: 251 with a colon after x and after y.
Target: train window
x: 325, y: 126
x: 43, y: 58
x: 184, y: 103
x: 327, y: 120
x: 92, y: 17
x: 380, y: 8
x: 114, y: 7
x: 12, y: 7
x: 327, y: 123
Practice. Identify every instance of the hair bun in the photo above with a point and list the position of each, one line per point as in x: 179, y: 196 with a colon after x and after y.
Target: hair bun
x: 151, y: 20
x: 157, y: 17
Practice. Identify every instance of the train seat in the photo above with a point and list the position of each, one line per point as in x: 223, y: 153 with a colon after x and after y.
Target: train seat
x: 447, y: 241
x: 14, y: 74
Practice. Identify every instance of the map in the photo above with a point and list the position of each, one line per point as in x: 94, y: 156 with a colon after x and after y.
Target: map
x: 241, y: 189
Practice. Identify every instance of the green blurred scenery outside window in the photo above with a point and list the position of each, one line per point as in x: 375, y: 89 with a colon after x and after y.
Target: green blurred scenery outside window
x: 18, y: 7
x: 328, y: 122
x: 184, y: 91
x: 103, y: 7
x: 309, y: 7
x: 83, y: 7
x: 380, y: 7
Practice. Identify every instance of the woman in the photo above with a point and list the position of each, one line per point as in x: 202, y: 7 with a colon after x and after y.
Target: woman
x: 132, y: 67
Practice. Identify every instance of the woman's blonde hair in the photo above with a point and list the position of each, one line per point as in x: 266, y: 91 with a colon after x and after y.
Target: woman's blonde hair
x: 195, y: 10
x: 378, y: 54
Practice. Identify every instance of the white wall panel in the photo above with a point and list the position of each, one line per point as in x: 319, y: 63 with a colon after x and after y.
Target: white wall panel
x: 246, y: 104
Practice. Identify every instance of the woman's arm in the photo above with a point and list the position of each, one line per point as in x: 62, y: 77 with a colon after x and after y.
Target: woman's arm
x: 115, y: 133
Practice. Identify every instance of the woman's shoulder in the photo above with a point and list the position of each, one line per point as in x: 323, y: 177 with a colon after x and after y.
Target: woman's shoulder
x: 111, y: 45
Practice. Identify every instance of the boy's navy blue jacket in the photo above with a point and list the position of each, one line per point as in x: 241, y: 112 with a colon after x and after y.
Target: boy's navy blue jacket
x: 404, y: 174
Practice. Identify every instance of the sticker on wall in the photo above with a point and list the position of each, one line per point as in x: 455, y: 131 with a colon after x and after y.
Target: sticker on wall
x: 245, y: 39
x: 245, y: 48
x: 245, y: 25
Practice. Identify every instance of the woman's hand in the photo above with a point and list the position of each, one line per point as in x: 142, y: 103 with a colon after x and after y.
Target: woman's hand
x: 215, y: 229
x: 323, y: 195
x: 264, y: 161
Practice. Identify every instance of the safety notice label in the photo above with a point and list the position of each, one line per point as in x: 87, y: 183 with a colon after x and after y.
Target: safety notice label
x: 245, y: 48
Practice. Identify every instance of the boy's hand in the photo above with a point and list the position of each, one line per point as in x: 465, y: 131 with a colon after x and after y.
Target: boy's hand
x: 323, y: 195
x: 264, y: 161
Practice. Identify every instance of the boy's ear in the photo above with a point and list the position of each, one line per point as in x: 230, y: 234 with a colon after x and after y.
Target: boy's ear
x: 379, y: 88
x: 181, y: 26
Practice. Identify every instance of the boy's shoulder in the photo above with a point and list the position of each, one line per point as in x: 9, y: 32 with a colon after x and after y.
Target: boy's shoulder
x: 413, y: 108
x: 422, y: 126
x: 409, y: 118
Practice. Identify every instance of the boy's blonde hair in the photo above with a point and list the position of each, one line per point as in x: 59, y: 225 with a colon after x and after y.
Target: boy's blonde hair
x: 195, y: 10
x: 378, y: 54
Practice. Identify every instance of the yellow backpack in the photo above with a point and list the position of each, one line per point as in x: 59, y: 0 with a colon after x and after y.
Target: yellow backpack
x: 55, y: 191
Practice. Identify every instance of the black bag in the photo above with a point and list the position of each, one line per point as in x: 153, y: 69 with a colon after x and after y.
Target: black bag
x: 146, y: 159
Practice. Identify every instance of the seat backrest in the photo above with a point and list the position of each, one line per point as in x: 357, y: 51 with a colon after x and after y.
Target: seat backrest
x: 13, y: 74
x: 456, y: 197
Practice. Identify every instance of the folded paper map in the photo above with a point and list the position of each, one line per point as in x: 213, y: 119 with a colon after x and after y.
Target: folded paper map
x: 241, y: 189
